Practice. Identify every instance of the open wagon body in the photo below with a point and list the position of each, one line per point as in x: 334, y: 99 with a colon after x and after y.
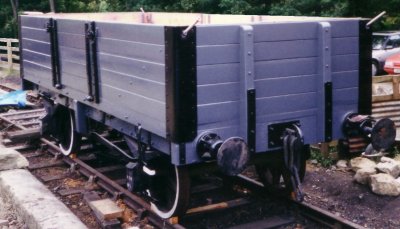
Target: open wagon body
x: 190, y: 88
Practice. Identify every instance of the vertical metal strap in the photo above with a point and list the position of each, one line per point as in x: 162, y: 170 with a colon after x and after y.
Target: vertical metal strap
x: 181, y: 84
x: 364, y: 72
x: 91, y: 62
x: 325, y: 94
x: 55, y: 60
x: 248, y: 93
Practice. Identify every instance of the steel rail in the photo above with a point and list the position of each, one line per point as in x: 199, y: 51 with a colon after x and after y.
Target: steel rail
x: 312, y: 212
x: 132, y: 200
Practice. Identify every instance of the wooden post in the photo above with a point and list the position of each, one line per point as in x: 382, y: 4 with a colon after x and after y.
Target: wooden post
x: 395, y: 82
x: 324, y: 149
x: 9, y: 54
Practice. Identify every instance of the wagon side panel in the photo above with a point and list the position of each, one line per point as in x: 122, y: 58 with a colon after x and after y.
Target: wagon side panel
x: 131, y: 67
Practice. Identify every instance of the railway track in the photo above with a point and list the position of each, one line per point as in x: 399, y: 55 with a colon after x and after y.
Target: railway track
x: 21, y: 131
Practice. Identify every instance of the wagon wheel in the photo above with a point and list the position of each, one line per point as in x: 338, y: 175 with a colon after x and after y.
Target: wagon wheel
x: 170, y: 190
x: 69, y: 139
x: 271, y: 174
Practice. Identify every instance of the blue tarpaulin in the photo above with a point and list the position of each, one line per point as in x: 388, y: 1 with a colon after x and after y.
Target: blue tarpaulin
x: 14, y: 98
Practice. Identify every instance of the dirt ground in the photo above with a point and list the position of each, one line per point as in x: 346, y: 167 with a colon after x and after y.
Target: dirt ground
x: 334, y: 190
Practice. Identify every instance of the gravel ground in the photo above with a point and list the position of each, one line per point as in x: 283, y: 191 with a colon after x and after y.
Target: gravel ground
x: 8, y: 217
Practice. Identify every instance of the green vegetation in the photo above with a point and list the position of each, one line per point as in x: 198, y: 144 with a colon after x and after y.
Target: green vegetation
x: 315, y: 154
x: 340, y: 8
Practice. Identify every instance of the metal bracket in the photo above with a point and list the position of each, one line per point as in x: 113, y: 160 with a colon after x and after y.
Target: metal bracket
x: 91, y: 62
x: 276, y: 131
x: 51, y: 28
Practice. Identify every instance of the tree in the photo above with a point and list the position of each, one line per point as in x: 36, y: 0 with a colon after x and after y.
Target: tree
x: 14, y: 6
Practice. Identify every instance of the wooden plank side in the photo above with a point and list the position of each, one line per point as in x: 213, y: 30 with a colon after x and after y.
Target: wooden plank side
x: 218, y: 54
x: 217, y: 34
x: 292, y: 103
x: 38, y: 74
x: 344, y: 101
x: 345, y: 79
x: 151, y: 34
x: 285, y: 68
x: 35, y: 34
x: 341, y: 63
x: 220, y: 73
x: 128, y: 66
x: 126, y: 113
x: 150, y: 89
x: 120, y: 98
x: 34, y: 22
x: 36, y: 46
x: 345, y: 96
x: 220, y: 112
x: 78, y: 69
x: 286, y: 85
x: 345, y: 45
x: 72, y: 55
x: 216, y: 93
x: 135, y: 50
x: 285, y: 49
x: 71, y: 26
x: 70, y: 40
x: 285, y: 31
x: 78, y: 83
x: 38, y: 58
x: 345, y: 28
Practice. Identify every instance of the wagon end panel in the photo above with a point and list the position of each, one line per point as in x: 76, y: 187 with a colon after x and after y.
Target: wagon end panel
x: 36, y: 50
x: 218, y: 80
x: 289, y: 83
x: 351, y: 74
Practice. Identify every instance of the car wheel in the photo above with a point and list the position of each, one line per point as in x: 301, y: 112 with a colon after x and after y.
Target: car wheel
x: 374, y: 69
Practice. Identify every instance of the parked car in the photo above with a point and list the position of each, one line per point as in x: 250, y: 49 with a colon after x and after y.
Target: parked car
x: 392, y: 64
x: 384, y: 44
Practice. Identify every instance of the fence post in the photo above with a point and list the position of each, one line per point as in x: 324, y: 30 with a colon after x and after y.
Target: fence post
x: 9, y: 54
x: 395, y: 83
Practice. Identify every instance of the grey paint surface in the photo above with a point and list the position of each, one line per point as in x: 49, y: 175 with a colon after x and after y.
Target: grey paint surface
x: 287, y: 65
x: 131, y: 67
x: 288, y: 77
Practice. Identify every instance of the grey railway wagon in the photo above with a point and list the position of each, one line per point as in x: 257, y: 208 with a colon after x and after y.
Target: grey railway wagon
x: 180, y: 77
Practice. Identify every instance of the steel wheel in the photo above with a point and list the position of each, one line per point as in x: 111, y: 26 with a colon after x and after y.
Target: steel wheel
x: 272, y: 173
x: 170, y: 191
x: 270, y: 176
x: 69, y: 139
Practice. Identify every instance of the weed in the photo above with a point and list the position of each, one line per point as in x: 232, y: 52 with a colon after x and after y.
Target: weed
x: 315, y: 154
